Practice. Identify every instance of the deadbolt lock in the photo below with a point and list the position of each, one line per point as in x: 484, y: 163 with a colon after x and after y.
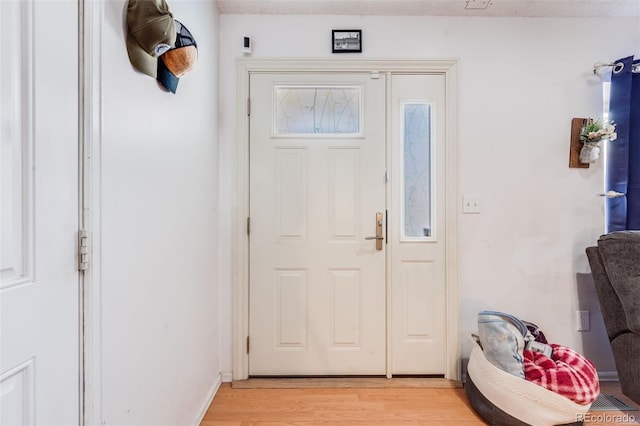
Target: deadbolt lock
x: 378, y: 236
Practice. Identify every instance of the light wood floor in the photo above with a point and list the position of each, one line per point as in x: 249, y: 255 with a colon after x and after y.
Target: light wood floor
x: 397, y: 406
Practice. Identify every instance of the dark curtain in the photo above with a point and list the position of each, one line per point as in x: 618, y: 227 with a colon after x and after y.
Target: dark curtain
x: 623, y: 155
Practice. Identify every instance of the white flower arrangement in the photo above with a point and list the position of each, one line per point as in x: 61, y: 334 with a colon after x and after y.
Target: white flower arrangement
x: 596, y: 131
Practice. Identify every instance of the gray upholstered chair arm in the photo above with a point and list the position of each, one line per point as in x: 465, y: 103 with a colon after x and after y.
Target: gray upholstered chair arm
x: 620, y: 254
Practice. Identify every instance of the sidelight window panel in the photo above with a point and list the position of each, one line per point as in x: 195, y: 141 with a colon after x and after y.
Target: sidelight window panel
x: 417, y: 170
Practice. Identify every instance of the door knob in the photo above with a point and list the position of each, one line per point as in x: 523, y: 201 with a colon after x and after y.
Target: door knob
x: 378, y: 236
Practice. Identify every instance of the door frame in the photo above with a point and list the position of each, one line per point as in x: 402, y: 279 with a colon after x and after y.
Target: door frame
x: 90, y: 52
x: 240, y: 241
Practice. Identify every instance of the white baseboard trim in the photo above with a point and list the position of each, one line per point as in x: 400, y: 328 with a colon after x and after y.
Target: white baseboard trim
x: 207, y: 401
x: 227, y: 377
x: 608, y: 376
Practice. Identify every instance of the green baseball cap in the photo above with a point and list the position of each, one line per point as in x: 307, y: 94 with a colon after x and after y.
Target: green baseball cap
x: 151, y: 31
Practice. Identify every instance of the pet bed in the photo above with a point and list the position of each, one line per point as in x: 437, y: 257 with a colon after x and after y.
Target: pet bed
x: 504, y: 399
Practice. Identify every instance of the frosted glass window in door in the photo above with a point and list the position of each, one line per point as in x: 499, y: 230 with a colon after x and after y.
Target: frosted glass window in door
x: 317, y: 110
x: 417, y: 170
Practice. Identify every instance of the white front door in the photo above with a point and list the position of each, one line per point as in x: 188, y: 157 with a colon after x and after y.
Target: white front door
x: 317, y: 191
x: 323, y: 300
x: 39, y: 293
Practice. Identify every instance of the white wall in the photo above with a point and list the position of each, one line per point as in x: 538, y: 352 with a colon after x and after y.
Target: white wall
x: 521, y: 80
x: 158, y: 167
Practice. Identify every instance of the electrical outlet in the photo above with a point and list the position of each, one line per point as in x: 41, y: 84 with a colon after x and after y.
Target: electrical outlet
x: 582, y: 318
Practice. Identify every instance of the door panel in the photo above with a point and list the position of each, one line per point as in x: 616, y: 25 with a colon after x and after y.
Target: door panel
x: 317, y: 287
x: 416, y: 233
x: 39, y: 369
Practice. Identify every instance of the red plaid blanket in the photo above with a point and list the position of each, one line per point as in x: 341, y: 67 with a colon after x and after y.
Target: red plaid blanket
x: 567, y: 373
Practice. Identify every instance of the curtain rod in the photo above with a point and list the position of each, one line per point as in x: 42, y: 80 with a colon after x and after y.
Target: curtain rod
x: 617, y: 66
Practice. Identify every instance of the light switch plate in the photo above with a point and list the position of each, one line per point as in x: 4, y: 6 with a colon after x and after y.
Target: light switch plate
x: 470, y: 205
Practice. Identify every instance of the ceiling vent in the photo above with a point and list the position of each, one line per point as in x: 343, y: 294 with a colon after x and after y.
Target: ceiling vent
x: 477, y: 4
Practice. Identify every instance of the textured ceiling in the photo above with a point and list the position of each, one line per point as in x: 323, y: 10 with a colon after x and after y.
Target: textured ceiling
x: 526, y: 8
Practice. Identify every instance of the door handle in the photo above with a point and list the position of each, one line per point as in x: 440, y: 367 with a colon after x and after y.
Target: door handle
x: 378, y: 236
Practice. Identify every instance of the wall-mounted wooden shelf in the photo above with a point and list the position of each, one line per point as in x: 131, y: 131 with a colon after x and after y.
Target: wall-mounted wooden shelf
x: 576, y: 145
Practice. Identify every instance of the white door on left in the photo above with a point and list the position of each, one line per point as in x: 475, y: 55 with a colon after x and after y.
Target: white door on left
x: 39, y: 297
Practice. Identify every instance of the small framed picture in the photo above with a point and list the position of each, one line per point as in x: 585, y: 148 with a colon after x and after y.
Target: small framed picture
x: 346, y: 41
